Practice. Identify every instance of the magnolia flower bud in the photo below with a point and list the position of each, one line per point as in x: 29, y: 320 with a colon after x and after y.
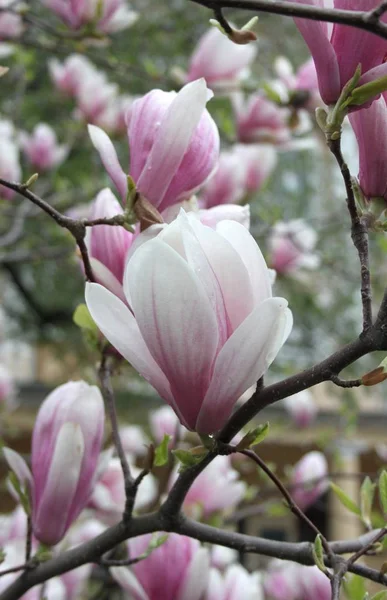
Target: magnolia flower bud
x: 41, y: 148
x: 66, y: 443
x: 309, y: 479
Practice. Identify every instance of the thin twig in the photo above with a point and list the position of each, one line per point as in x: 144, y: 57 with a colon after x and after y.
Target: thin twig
x: 350, y: 383
x: 14, y: 569
x: 379, y: 536
x: 28, y: 539
x: 374, y: 15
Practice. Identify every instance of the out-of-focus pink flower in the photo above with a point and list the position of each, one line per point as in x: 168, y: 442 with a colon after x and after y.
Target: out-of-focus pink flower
x: 7, y: 389
x: 174, y: 145
x: 66, y: 443
x: 9, y: 165
x: 301, y: 88
x: 226, y: 186
x: 225, y: 212
x: 13, y: 526
x: 291, y: 247
x: 235, y: 584
x: 176, y: 570
x: 309, y: 479
x: 164, y: 421
x: 314, y: 584
x: 301, y: 408
x: 107, y: 16
x: 370, y: 127
x: 217, y: 488
x: 75, y: 582
x: 42, y: 149
x: 221, y: 62
x: 222, y: 557
x: 195, y: 340
x: 69, y: 76
x: 259, y: 161
x: 133, y: 439
x: 337, y: 49
x: 95, y: 97
x: 282, y: 581
x: 11, y: 24
x: 108, y: 497
x: 259, y: 120
x: 108, y: 245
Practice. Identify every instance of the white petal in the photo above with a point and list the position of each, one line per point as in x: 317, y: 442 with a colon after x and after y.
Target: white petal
x: 129, y: 582
x: 107, y: 278
x: 196, y: 578
x: 108, y: 154
x: 119, y: 326
x: 18, y: 465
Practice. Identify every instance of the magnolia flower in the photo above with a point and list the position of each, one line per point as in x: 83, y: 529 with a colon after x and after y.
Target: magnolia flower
x: 291, y: 247
x: 42, y: 149
x: 176, y: 570
x: 217, y: 488
x: 13, y: 526
x: 309, y: 479
x: 106, y: 16
x: 69, y: 76
x: 209, y: 60
x: 66, y: 443
x: 11, y: 24
x: 207, y: 336
x: 211, y: 217
x: 337, y: 49
x: 174, y: 145
x: 222, y: 557
x: 164, y: 421
x: 300, y: 89
x: 301, y: 408
x: 260, y: 120
x: 9, y: 165
x: 259, y: 161
x: 133, y: 440
x: 108, y: 497
x: 235, y: 584
x: 108, y: 245
x: 314, y: 584
x: 282, y: 581
x: 370, y: 127
x: 96, y: 100
x: 226, y: 186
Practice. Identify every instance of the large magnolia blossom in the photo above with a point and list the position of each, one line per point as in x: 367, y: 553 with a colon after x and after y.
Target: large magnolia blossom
x: 202, y: 326
x: 174, y: 145
x: 337, y: 50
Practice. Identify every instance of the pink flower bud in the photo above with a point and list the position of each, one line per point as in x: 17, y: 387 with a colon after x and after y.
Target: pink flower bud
x: 11, y: 24
x: 42, y: 149
x: 176, y: 570
x: 217, y: 488
x: 291, y: 247
x: 314, y: 584
x: 66, y: 443
x: 309, y: 479
x: 260, y: 120
x: 96, y: 100
x: 208, y: 335
x: 108, y: 245
x: 301, y: 408
x: 71, y: 74
x: 235, y: 584
x: 370, y: 127
x: 9, y: 165
x: 208, y: 60
x: 106, y: 16
x: 337, y: 49
x: 174, y: 145
x: 108, y: 497
x: 164, y: 421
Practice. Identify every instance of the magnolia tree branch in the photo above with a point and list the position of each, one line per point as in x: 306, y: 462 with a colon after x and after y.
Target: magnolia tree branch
x: 360, y: 19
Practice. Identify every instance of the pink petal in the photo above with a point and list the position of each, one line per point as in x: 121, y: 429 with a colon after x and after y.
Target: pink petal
x: 108, y: 154
x: 244, y: 358
x: 18, y: 465
x: 107, y: 279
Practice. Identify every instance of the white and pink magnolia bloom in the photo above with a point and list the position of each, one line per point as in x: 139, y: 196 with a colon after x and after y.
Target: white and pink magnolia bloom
x: 164, y: 421
x: 134, y: 440
x: 11, y: 24
x: 217, y: 488
x: 176, y: 570
x: 314, y: 584
x: 299, y: 88
x: 220, y: 61
x: 9, y: 165
x: 108, y: 497
x: 174, y: 145
x: 282, y: 581
x: 207, y: 336
x: 69, y: 76
x: 66, y: 444
x: 107, y: 16
x: 211, y: 217
x: 291, y: 247
x: 226, y: 186
x: 302, y: 408
x: 259, y: 120
x: 96, y: 100
x: 337, y: 49
x: 41, y: 148
x: 108, y: 245
x: 259, y: 162
x: 222, y: 557
x: 235, y: 584
x: 309, y: 479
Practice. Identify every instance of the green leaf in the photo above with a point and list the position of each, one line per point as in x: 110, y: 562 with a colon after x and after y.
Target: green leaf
x: 383, y: 490
x: 272, y: 94
x: 380, y: 595
x: 254, y: 437
x: 21, y: 492
x: 188, y: 459
x: 83, y: 318
x: 367, y: 493
x: 318, y: 553
x: 156, y: 542
x: 354, y: 587
x: 161, y: 452
x: 366, y: 92
x: 345, y: 500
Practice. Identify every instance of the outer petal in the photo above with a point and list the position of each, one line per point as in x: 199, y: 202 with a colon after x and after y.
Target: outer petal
x: 176, y: 321
x: 107, y: 279
x: 18, y: 465
x: 243, y: 242
x: 230, y: 212
x: 315, y: 34
x: 242, y: 361
x: 119, y: 326
x: 129, y: 582
x: 196, y: 577
x: 172, y: 140
x: 108, y: 154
